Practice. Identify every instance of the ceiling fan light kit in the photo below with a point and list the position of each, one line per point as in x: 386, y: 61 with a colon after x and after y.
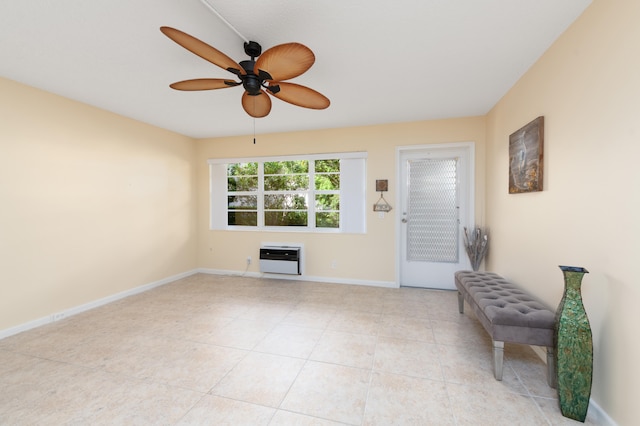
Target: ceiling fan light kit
x: 259, y: 78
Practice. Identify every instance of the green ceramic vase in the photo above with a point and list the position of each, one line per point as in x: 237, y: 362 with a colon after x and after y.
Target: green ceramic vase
x: 573, y: 348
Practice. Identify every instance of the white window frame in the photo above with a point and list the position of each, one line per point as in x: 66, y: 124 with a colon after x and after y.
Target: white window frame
x: 352, y: 193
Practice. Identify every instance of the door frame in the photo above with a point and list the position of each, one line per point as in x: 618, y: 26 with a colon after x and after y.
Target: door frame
x: 465, y: 220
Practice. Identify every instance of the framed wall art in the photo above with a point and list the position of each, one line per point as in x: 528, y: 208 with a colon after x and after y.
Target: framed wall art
x: 382, y: 185
x: 526, y: 158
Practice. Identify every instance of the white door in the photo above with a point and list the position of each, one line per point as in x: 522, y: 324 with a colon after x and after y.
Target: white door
x: 435, y: 206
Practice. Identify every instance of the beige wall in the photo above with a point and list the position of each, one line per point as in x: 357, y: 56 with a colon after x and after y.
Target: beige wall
x: 92, y: 204
x: 588, y: 88
x: 366, y: 258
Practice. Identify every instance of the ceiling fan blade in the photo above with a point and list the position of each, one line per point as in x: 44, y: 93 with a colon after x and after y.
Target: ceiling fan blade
x: 285, y: 61
x: 203, y: 50
x: 204, y: 84
x: 301, y: 96
x: 257, y: 106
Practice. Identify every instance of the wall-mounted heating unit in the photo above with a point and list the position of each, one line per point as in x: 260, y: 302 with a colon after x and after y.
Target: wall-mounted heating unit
x: 280, y: 259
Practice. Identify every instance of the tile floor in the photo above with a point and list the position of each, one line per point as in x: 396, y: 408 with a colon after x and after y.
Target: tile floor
x: 222, y: 350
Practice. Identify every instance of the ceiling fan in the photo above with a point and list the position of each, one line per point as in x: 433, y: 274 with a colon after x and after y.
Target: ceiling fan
x: 257, y: 77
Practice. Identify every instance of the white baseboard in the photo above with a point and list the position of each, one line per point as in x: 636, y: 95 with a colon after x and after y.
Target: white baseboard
x: 386, y: 284
x: 600, y: 416
x: 91, y: 305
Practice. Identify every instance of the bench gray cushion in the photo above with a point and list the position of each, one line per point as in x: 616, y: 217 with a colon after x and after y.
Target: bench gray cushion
x: 508, y: 313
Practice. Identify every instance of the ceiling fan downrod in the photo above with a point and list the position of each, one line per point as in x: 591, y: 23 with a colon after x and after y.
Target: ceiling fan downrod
x: 227, y: 23
x: 252, y: 49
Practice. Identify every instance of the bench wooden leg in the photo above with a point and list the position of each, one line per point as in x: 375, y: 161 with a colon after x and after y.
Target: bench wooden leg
x: 498, y: 356
x: 551, y: 368
x: 460, y: 303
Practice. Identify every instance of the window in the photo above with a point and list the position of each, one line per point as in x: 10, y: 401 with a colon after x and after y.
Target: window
x: 242, y: 187
x: 327, y: 195
x: 320, y: 193
x: 286, y: 193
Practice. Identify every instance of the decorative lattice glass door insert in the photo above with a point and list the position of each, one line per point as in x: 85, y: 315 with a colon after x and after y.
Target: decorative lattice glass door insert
x: 433, y: 225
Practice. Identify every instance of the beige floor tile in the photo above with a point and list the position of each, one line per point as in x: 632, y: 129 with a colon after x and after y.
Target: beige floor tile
x: 287, y: 418
x: 266, y: 312
x: 407, y: 308
x: 226, y: 309
x: 17, y: 401
x: 410, y: 294
x: 140, y: 357
x: 363, y: 302
x: 55, y: 341
x: 141, y: 402
x: 260, y: 378
x: 354, y: 350
x: 328, y: 391
x: 408, y: 357
x: 141, y: 321
x: 77, y: 395
x: 446, y: 309
x: 55, y: 404
x: 21, y: 383
x: 465, y: 331
x: 441, y: 297
x: 201, y: 327
x: 100, y: 349
x: 240, y: 334
x: 20, y: 340
x: 402, y: 400
x: 196, y: 366
x: 325, y: 297
x: 288, y: 294
x: 406, y: 327
x: 473, y: 366
x: 530, y: 369
x: 311, y: 315
x: 290, y: 340
x: 476, y: 406
x: 356, y: 322
x: 213, y: 410
x: 13, y: 365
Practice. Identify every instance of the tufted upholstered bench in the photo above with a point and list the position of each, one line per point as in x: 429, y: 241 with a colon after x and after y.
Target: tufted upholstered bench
x: 508, y: 313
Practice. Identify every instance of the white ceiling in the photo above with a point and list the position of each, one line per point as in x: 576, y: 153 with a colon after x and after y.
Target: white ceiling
x: 377, y: 61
